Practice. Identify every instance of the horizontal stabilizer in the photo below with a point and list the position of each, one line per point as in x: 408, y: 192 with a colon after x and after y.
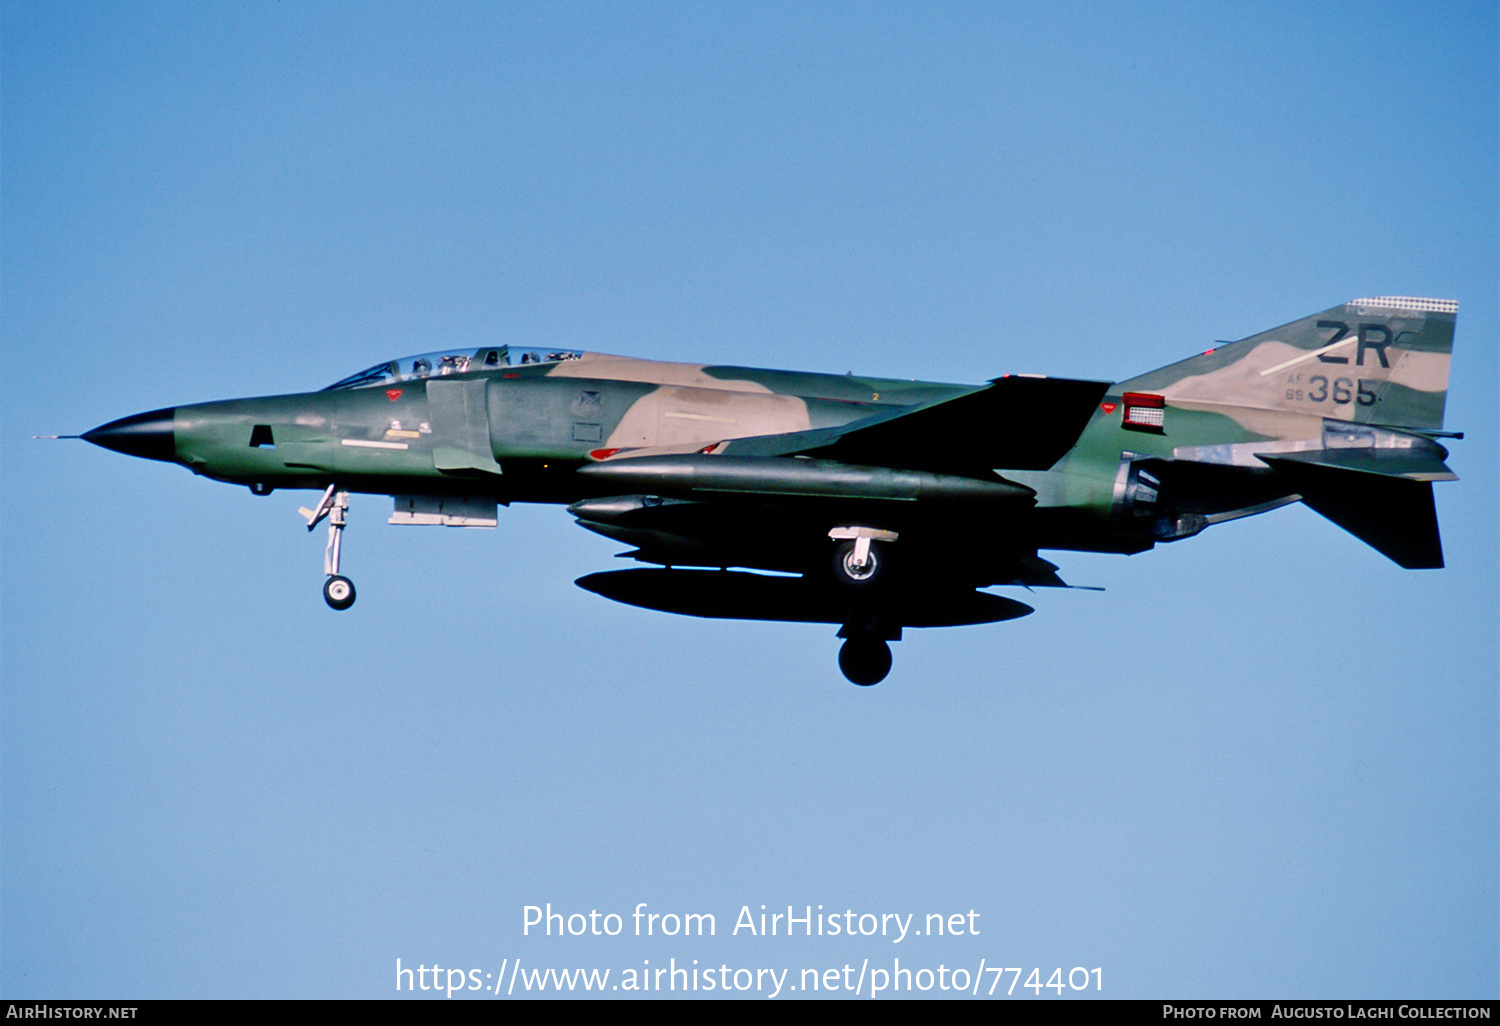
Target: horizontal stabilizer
x: 1413, y: 465
x: 1392, y: 514
x: 1014, y: 423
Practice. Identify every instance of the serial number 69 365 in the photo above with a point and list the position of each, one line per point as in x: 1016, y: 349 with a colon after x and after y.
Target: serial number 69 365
x: 1342, y: 391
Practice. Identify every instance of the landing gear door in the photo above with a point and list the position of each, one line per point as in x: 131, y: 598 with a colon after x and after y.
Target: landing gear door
x: 460, y: 426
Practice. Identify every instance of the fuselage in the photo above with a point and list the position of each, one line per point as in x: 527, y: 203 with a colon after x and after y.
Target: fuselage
x: 741, y: 445
x: 522, y: 433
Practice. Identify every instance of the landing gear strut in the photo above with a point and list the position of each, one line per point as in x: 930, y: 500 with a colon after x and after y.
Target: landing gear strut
x: 338, y: 591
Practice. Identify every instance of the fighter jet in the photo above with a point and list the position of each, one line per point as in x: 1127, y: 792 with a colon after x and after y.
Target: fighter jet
x: 870, y: 503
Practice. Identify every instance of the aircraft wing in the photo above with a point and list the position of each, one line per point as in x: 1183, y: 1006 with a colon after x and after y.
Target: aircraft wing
x: 906, y: 467
x: 1013, y: 423
x: 788, y: 531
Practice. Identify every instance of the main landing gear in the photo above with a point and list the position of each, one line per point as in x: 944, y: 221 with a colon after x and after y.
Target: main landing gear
x: 861, y: 560
x: 338, y: 591
x: 866, y: 657
x: 862, y: 570
x: 865, y: 661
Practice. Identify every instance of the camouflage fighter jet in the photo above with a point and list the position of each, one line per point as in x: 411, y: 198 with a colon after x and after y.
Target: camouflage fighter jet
x: 876, y: 504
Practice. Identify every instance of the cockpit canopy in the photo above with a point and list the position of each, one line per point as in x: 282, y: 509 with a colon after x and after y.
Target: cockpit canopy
x: 451, y: 361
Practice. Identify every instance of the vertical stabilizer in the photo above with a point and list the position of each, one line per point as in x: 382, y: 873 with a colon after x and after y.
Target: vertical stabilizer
x: 1381, y: 361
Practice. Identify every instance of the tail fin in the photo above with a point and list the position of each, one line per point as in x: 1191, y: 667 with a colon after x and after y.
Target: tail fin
x: 1393, y: 515
x: 1381, y: 361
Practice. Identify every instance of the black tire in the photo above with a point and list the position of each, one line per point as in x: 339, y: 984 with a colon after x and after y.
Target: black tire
x: 338, y: 592
x: 865, y: 661
x: 852, y: 576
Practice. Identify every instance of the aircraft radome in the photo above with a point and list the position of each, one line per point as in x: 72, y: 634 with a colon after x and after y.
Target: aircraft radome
x: 880, y: 504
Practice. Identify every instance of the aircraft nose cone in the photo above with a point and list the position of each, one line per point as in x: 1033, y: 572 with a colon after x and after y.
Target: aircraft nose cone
x: 148, y: 435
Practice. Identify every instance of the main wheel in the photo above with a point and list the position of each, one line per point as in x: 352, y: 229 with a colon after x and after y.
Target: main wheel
x: 865, y: 661
x: 338, y: 592
x: 858, y: 576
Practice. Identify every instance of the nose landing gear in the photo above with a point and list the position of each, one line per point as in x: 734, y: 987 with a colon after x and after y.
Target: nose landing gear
x: 338, y: 591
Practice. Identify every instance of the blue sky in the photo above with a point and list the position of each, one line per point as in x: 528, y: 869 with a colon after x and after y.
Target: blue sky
x: 1263, y: 763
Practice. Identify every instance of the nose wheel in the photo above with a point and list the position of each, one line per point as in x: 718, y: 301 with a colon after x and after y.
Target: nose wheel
x: 338, y: 591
